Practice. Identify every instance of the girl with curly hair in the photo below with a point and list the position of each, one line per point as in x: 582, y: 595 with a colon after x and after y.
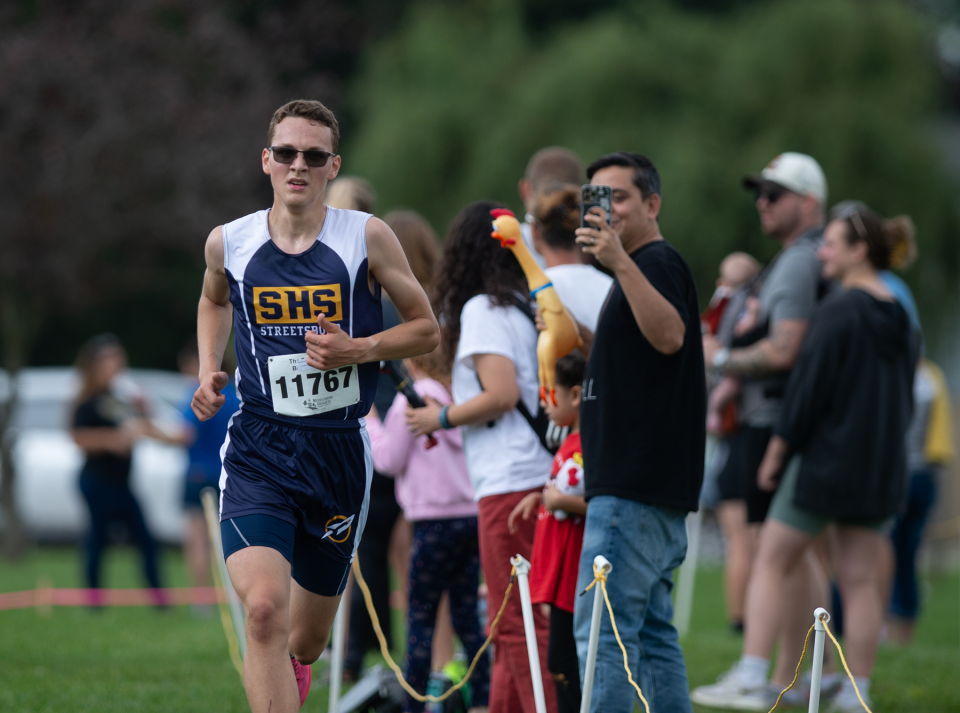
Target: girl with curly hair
x: 492, y: 345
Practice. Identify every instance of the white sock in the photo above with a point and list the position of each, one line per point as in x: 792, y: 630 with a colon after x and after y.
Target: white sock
x: 863, y: 683
x: 752, y: 671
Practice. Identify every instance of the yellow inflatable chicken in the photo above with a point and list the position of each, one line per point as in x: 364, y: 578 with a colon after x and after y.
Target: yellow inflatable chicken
x: 561, y: 335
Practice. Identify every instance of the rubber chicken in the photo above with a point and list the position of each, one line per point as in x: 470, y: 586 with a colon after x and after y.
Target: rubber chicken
x: 561, y: 335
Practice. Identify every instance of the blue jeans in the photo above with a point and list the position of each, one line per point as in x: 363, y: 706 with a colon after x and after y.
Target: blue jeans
x: 907, y: 536
x: 644, y: 544
x: 111, y: 502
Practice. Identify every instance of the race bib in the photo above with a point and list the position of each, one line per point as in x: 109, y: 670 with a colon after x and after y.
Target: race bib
x: 300, y: 390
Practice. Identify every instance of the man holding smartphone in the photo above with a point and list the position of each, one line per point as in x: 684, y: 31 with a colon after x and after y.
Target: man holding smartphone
x: 642, y: 417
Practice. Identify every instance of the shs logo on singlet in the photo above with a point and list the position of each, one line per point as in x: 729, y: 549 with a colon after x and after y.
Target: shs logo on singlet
x: 296, y: 306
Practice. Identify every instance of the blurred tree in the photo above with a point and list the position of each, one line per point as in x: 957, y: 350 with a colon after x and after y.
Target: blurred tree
x: 127, y: 130
x: 455, y: 103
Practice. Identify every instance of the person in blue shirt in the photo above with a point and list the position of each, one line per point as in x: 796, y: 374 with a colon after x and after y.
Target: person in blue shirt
x: 204, y: 440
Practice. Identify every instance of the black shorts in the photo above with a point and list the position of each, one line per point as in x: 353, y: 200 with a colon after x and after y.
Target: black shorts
x: 738, y: 479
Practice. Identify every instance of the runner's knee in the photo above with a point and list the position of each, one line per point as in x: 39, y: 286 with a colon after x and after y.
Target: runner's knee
x: 267, y: 616
x: 305, y: 648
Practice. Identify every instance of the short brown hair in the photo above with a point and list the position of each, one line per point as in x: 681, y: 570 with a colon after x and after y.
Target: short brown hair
x: 554, y: 164
x: 419, y: 243
x: 352, y: 193
x: 308, y: 109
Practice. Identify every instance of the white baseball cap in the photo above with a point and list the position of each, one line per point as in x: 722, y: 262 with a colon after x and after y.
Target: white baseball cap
x: 795, y: 171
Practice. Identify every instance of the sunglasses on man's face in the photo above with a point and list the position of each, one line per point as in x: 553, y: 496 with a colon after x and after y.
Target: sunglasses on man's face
x: 771, y: 193
x: 312, y: 157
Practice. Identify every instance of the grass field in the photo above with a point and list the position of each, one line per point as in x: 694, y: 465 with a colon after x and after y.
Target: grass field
x: 138, y: 659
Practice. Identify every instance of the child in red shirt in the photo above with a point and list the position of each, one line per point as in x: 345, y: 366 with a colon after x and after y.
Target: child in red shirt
x: 561, y: 510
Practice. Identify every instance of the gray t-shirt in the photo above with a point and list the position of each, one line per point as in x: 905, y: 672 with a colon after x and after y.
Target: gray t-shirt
x: 789, y: 291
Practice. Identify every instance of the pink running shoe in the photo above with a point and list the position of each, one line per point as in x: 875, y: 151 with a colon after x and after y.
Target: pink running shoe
x: 303, y: 675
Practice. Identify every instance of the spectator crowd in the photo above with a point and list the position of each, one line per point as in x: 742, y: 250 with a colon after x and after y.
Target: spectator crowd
x: 799, y: 406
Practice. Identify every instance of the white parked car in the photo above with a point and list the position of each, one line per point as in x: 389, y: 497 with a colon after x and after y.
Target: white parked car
x: 48, y: 462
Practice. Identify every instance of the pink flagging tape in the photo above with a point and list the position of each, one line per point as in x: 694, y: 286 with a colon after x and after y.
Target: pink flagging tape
x: 50, y: 597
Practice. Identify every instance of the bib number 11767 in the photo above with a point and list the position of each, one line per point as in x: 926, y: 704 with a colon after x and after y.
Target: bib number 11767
x: 300, y: 390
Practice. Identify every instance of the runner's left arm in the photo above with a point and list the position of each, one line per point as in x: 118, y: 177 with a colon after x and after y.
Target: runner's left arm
x: 418, y: 334
x: 214, y: 321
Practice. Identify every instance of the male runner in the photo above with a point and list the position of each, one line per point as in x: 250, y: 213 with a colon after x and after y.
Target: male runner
x: 301, y: 282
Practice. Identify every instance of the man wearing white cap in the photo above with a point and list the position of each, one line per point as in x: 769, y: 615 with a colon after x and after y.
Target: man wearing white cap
x: 791, y: 195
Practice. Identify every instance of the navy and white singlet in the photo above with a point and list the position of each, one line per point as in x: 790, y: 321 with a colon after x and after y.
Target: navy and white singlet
x: 312, y: 472
x: 278, y: 297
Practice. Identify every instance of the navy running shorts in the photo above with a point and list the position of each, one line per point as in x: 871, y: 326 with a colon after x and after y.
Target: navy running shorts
x: 313, y: 475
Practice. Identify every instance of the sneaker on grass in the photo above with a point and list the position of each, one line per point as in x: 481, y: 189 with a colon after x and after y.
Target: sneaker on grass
x: 796, y: 696
x: 732, y: 692
x: 847, y: 702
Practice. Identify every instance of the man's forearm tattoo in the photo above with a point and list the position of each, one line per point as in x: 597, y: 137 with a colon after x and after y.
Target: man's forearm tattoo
x: 752, y: 362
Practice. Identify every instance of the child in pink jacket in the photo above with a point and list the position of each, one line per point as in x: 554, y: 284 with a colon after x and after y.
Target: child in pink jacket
x: 434, y: 490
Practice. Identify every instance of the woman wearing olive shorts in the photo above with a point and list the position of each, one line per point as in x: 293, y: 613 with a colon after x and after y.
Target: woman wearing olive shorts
x: 841, y: 437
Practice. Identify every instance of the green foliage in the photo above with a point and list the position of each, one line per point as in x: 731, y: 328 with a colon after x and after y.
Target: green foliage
x: 454, y: 104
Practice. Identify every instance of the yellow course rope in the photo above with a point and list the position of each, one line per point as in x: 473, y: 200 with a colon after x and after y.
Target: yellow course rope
x: 386, y: 652
x: 845, y: 667
x: 213, y: 522
x: 232, y: 642
x: 796, y: 675
x: 842, y: 660
x: 599, y: 576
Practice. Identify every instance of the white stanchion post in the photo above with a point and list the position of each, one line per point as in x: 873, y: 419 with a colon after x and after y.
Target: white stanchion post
x: 601, y: 563
x: 336, y: 657
x: 687, y: 578
x: 819, y: 635
x: 211, y: 512
x: 533, y: 653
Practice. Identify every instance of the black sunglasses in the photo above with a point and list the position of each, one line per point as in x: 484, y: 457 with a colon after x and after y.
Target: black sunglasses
x: 312, y: 157
x: 771, y: 192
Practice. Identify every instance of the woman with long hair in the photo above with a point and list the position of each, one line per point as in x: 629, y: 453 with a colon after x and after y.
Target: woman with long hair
x: 106, y: 428
x: 841, y: 437
x: 492, y: 344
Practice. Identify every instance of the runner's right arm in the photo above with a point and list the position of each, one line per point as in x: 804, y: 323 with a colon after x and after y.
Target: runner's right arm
x: 214, y: 321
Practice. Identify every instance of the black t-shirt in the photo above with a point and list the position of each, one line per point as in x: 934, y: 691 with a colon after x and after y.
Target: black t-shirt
x: 102, y: 411
x: 643, y: 413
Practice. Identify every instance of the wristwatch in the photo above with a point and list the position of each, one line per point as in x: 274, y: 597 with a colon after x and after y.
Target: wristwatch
x: 720, y: 358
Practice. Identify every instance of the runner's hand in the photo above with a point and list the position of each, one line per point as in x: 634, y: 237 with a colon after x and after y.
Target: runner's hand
x: 523, y: 510
x: 600, y: 240
x: 426, y: 420
x: 332, y: 350
x: 207, y: 400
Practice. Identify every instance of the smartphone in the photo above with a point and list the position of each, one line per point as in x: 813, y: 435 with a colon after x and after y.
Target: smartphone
x: 591, y: 196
